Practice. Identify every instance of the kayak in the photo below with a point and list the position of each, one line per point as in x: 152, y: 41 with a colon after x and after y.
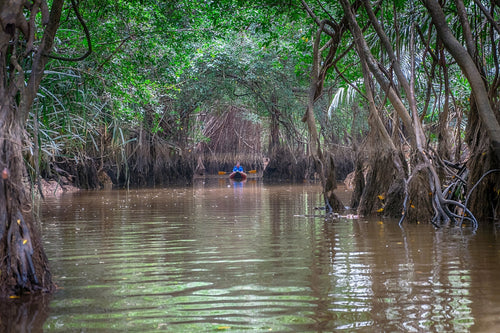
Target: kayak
x: 238, y: 175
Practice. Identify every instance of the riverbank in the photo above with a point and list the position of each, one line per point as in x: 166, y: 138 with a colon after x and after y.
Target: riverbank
x: 52, y: 187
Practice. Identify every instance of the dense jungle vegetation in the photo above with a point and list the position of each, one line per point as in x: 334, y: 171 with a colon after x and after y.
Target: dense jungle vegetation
x: 404, y: 93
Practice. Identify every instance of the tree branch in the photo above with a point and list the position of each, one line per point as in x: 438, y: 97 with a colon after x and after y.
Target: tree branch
x: 87, y: 36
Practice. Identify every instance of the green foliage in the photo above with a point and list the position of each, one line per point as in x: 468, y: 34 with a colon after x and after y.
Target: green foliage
x: 177, y: 59
x: 172, y: 58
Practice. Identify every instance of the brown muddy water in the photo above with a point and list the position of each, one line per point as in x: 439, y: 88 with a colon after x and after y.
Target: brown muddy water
x: 221, y: 256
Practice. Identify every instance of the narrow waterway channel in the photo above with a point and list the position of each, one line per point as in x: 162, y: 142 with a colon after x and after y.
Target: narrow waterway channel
x: 221, y: 256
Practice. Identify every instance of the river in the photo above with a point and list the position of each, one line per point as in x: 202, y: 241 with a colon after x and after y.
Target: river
x: 222, y: 256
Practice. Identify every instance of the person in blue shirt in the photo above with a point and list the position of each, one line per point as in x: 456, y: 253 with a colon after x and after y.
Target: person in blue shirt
x: 238, y: 167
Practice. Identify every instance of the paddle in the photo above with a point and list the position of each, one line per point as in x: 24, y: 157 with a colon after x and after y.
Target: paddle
x: 225, y: 173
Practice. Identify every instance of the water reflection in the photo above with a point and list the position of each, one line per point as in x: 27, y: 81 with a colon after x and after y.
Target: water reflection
x: 225, y: 256
x: 26, y: 314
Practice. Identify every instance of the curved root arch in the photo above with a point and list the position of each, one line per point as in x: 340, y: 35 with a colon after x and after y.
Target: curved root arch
x: 449, y: 205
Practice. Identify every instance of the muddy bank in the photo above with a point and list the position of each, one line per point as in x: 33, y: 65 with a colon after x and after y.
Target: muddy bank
x: 51, y: 187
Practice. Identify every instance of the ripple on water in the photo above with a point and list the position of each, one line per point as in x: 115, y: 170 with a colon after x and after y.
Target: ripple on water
x: 237, y: 259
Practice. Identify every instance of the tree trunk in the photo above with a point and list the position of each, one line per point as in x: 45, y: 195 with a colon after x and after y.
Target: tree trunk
x: 484, y: 200
x: 469, y: 68
x: 274, y: 131
x: 483, y: 132
x: 385, y: 171
x: 444, y: 135
x: 325, y: 167
x: 23, y: 264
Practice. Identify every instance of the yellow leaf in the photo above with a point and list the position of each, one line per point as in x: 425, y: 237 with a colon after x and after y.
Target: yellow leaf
x: 381, y: 196
x: 223, y: 327
x: 412, y: 206
x: 19, y: 222
x: 25, y: 241
x: 14, y: 296
x: 380, y: 210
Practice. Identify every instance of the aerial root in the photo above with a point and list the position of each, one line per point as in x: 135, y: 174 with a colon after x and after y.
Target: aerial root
x: 450, y: 204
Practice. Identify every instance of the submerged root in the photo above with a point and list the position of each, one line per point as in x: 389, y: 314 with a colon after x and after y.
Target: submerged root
x: 450, y: 206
